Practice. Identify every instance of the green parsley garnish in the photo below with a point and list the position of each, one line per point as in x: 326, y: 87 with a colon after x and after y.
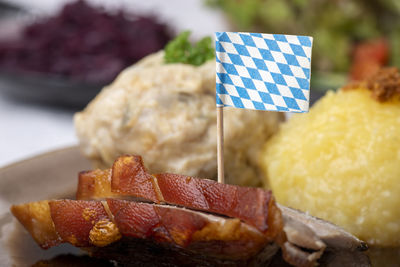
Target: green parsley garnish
x: 180, y: 50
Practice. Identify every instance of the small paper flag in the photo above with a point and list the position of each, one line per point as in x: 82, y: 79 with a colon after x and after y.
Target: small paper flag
x: 263, y: 71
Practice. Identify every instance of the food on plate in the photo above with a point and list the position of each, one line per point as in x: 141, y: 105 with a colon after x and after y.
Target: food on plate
x: 167, y: 114
x: 36, y: 219
x: 98, y: 224
x: 84, y: 43
x: 341, y: 161
x: 117, y: 225
x: 130, y: 178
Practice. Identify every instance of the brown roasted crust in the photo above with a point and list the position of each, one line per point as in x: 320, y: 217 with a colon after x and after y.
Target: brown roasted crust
x: 35, y: 217
x: 94, y: 183
x: 129, y: 178
x: 204, y: 233
x: 250, y: 238
x: 74, y: 219
x: 275, y: 221
x: 144, y: 233
x: 251, y: 205
x: 87, y: 224
x: 384, y: 84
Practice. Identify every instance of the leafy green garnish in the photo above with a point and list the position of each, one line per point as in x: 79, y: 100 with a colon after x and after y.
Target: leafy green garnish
x: 180, y: 50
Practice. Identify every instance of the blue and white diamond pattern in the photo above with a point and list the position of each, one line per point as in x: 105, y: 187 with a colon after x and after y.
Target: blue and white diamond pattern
x: 263, y: 71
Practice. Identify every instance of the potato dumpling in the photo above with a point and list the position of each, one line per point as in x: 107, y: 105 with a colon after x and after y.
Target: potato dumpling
x: 341, y: 162
x: 166, y: 113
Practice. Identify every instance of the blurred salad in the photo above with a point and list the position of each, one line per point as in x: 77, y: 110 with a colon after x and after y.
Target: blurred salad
x: 350, y: 36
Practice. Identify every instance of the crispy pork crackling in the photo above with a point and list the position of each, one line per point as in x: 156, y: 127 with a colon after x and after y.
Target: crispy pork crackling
x: 132, y: 217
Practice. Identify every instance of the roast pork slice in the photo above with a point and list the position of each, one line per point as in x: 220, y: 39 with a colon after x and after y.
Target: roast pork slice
x: 52, y: 222
x: 140, y: 234
x: 36, y: 218
x: 204, y: 223
x: 129, y: 177
x: 302, y: 241
x: 96, y: 224
x: 227, y: 238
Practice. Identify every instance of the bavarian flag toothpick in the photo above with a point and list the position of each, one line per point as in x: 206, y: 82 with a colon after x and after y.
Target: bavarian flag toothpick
x: 262, y: 72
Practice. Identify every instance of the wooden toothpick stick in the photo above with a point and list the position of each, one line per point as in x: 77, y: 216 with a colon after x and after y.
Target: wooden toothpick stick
x: 220, y: 144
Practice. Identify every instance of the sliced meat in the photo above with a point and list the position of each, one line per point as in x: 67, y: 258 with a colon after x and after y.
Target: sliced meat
x: 213, y: 225
x: 96, y: 182
x: 252, y: 205
x: 332, y: 235
x: 308, y: 237
x: 209, y: 234
x: 137, y: 234
x: 100, y: 224
x: 36, y: 218
x: 74, y: 220
x: 130, y: 178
